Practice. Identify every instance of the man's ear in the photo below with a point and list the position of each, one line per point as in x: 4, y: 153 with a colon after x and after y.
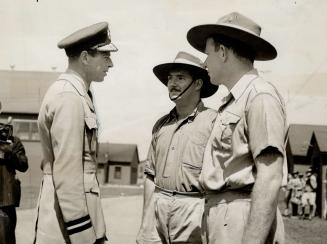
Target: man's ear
x: 84, y: 57
x: 198, y: 84
x: 223, y: 52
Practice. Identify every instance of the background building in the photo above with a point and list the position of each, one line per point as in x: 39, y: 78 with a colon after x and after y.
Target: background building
x: 307, y: 147
x: 21, y: 95
x: 118, y: 163
x: 318, y: 157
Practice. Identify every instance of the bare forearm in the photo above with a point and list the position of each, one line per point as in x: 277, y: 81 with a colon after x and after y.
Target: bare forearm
x: 264, y: 202
x: 149, y: 187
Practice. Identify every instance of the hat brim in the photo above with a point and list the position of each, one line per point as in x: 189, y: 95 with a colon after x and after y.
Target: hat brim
x: 197, y: 37
x: 107, y: 48
x: 162, y: 72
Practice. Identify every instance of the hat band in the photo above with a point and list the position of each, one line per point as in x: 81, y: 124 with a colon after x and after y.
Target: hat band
x: 185, y: 61
x: 240, y: 28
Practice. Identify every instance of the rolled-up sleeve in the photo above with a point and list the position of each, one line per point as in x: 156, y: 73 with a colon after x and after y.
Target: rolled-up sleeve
x: 266, y: 124
x: 149, y: 168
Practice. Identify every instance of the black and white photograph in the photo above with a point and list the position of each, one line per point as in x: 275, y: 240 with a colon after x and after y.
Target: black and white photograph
x: 163, y: 122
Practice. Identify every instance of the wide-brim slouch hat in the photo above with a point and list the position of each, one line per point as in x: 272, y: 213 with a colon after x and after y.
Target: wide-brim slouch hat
x: 188, y: 62
x: 237, y: 27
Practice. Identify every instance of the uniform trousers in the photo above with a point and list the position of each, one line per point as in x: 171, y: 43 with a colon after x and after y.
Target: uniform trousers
x: 178, y: 217
x: 226, y: 215
x: 8, y: 222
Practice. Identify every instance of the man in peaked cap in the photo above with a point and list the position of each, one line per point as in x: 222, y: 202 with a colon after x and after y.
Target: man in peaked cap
x: 173, y: 198
x: 244, y: 161
x: 69, y: 206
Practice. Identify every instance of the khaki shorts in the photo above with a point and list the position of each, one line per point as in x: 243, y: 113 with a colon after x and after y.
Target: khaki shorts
x: 309, y: 197
x: 178, y: 218
x: 226, y: 215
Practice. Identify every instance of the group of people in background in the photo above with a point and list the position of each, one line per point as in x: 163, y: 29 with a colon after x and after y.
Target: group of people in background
x: 300, y: 195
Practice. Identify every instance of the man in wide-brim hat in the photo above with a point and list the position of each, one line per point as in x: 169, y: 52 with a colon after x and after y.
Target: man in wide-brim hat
x: 173, y: 197
x: 243, y: 166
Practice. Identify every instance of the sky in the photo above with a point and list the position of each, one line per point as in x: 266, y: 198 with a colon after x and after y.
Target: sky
x: 150, y: 32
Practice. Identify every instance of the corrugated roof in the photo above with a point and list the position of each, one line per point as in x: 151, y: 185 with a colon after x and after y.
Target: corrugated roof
x: 321, y: 137
x: 300, y: 136
x: 23, y: 91
x: 117, y: 152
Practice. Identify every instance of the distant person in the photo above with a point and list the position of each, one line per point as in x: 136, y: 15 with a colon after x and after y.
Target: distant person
x: 244, y: 163
x: 173, y: 197
x: 287, y: 195
x: 12, y: 158
x: 69, y: 207
x: 296, y: 194
x: 309, y: 195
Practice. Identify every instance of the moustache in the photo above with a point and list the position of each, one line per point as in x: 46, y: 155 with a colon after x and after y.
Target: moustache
x: 174, y: 89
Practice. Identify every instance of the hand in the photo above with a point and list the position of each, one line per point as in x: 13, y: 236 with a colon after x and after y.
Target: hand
x: 6, y: 147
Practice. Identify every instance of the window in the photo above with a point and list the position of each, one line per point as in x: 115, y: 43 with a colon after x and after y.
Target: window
x: 141, y: 171
x: 26, y: 129
x: 117, y: 172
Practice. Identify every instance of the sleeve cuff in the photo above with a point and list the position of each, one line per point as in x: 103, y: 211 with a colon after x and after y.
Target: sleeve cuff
x: 78, y: 225
x: 258, y: 151
x: 149, y: 171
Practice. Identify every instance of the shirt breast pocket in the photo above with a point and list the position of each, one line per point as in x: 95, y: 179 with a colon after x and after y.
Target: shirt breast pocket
x: 194, y: 151
x: 91, y: 122
x: 229, y: 124
x: 90, y: 184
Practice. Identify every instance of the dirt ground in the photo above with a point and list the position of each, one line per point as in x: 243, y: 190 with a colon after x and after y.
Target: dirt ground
x: 300, y: 231
x: 123, y: 207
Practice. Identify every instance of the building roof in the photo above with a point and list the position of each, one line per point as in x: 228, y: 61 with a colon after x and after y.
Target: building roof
x: 299, y: 137
x: 23, y: 91
x: 117, y: 152
x: 321, y: 138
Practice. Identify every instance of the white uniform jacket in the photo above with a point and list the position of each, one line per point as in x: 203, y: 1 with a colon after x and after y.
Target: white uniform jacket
x: 69, y: 207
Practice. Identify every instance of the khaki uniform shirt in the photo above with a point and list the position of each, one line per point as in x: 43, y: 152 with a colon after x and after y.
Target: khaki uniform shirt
x: 251, y: 119
x: 176, y: 152
x: 69, y: 197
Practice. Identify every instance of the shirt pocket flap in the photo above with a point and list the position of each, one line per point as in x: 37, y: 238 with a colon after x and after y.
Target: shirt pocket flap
x: 91, y: 184
x: 230, y: 119
x: 91, y: 122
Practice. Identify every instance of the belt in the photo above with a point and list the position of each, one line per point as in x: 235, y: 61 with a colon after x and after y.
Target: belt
x: 244, y: 189
x: 179, y: 193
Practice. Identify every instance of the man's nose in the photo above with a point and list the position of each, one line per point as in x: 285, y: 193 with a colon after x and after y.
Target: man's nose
x: 110, y: 63
x: 172, y: 81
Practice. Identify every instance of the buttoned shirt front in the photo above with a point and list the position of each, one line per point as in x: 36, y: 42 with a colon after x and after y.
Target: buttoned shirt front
x: 176, y: 152
x: 251, y: 119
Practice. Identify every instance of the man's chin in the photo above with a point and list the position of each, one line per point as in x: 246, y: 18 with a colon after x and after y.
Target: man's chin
x: 99, y: 80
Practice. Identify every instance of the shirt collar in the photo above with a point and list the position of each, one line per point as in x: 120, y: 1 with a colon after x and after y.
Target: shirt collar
x: 76, y: 80
x: 199, y: 108
x: 243, y: 83
x: 78, y: 83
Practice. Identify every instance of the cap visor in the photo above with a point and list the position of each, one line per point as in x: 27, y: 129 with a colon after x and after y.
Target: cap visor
x: 108, y: 48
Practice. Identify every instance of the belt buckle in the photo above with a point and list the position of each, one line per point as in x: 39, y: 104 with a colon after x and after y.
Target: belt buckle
x: 174, y: 193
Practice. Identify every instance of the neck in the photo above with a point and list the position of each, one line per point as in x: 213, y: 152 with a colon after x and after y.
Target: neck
x: 185, y: 107
x: 75, y: 68
x: 236, y: 72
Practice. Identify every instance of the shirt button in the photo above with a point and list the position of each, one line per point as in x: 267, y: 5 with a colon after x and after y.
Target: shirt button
x: 172, y: 148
